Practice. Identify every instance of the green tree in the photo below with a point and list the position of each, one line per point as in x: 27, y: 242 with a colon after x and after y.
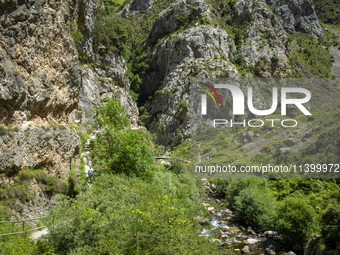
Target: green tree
x: 256, y: 207
x: 124, y: 215
x: 118, y: 149
x: 331, y: 226
x: 112, y: 32
x: 296, y: 220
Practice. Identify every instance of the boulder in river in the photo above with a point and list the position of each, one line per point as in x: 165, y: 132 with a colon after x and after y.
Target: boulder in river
x: 251, y: 241
x: 270, y: 251
x: 246, y: 250
x: 251, y: 231
x: 270, y: 234
x: 227, y: 211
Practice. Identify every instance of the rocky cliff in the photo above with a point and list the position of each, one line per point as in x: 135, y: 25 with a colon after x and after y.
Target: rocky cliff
x: 39, y: 72
x: 205, y: 39
x: 43, y: 84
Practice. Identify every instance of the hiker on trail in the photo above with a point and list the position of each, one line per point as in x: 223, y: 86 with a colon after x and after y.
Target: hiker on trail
x: 90, y: 173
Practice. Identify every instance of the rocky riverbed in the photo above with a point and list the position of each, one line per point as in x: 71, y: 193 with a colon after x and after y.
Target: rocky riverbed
x: 222, y: 226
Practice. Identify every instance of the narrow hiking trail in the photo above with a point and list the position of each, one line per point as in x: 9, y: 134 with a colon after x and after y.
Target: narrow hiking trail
x: 88, y: 163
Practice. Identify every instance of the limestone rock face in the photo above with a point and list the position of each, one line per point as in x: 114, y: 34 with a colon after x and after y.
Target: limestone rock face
x: 95, y: 88
x: 265, y: 37
x: 106, y: 76
x: 51, y: 147
x: 136, y: 7
x: 35, y: 208
x: 201, y: 42
x: 39, y: 71
x: 172, y: 17
x: 297, y: 16
x: 85, y: 21
x: 141, y: 5
x: 201, y: 51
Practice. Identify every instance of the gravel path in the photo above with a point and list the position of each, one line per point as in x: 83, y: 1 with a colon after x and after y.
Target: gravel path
x: 38, y: 234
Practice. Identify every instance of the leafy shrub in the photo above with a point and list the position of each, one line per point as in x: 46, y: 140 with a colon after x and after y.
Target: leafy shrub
x: 118, y: 149
x: 77, y: 36
x: 296, y: 220
x: 112, y: 5
x: 3, y: 128
x: 129, y: 216
x: 182, y: 106
x: 111, y: 32
x: 238, y: 60
x: 231, y: 188
x: 331, y: 226
x: 25, y: 174
x: 178, y: 41
x: 136, y: 84
x: 177, y: 166
x: 233, y: 2
x: 275, y: 59
x: 256, y: 207
x: 19, y: 246
x: 110, y: 116
x: 158, y: 92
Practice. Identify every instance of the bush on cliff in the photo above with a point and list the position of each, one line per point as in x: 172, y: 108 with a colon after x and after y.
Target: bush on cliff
x: 118, y: 149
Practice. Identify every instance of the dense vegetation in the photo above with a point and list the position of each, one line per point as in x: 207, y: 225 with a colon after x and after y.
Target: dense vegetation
x: 297, y: 208
x: 134, y: 206
x: 111, y: 33
x: 328, y: 11
x: 137, y: 206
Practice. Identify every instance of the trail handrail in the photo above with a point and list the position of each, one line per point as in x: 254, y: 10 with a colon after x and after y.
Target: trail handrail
x: 23, y: 226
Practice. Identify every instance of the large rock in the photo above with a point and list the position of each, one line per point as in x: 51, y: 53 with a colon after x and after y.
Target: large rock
x: 85, y: 22
x: 284, y: 150
x: 297, y: 16
x: 136, y: 7
x: 289, y: 142
x: 35, y: 208
x: 264, y: 39
x: 39, y: 70
x: 172, y: 17
x: 106, y: 76
x: 96, y: 87
x: 50, y: 146
x: 201, y: 51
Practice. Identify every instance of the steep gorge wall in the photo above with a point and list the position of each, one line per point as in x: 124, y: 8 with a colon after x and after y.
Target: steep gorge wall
x: 44, y: 88
x: 42, y: 82
x: 208, y: 51
x: 39, y: 71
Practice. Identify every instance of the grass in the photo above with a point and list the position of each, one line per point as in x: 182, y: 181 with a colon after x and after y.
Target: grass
x: 111, y: 6
x: 313, y: 53
x: 228, y: 142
